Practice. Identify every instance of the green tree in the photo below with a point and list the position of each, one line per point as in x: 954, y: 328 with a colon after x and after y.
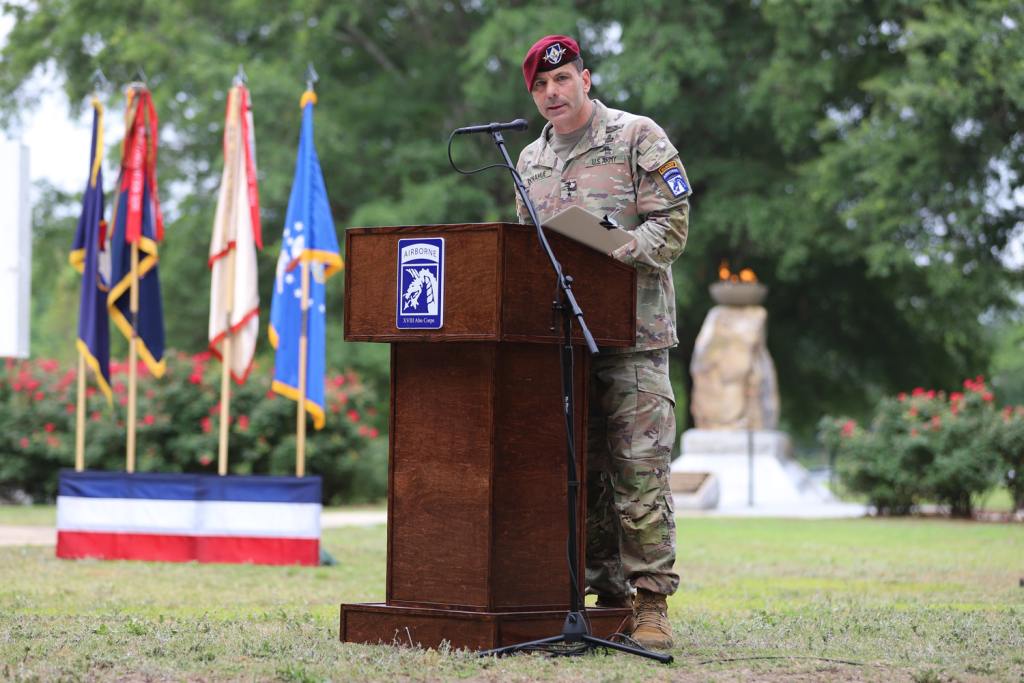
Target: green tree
x: 860, y: 156
x: 1008, y: 360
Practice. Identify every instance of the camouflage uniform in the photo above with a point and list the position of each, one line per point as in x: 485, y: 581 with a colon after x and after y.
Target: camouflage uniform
x: 625, y: 167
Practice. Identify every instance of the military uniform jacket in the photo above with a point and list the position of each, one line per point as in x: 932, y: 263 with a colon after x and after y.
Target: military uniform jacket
x: 624, y: 167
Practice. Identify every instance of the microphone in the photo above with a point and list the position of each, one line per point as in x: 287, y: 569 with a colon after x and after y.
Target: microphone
x: 518, y: 124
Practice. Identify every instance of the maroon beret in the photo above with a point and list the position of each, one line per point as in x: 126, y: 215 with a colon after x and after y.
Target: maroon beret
x: 550, y: 52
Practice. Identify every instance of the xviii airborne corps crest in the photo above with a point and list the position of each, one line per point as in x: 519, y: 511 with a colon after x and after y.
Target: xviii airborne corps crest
x: 420, y: 284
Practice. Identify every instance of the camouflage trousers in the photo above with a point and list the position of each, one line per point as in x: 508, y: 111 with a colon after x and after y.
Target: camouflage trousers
x: 631, y: 532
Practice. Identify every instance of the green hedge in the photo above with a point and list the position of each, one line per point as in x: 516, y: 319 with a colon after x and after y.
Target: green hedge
x: 930, y: 446
x: 178, y: 422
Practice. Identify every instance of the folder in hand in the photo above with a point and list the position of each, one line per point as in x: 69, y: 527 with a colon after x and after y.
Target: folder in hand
x: 602, y: 234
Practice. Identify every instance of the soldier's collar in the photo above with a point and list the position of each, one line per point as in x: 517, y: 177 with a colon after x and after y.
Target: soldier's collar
x: 591, y: 139
x: 595, y: 136
x: 547, y: 157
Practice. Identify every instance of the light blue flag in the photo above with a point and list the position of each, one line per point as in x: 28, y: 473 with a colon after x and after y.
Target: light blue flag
x: 308, y: 237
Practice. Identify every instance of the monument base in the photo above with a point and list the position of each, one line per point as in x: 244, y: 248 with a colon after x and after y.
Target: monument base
x: 428, y: 627
x: 694, y: 490
x: 727, y: 454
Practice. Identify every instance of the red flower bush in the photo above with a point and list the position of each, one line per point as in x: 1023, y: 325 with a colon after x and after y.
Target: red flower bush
x: 38, y: 408
x: 923, y: 447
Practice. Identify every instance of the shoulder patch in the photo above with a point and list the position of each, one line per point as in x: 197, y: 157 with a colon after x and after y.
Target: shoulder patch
x: 673, y: 176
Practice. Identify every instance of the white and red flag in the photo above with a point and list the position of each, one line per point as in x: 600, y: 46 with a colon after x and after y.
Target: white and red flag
x: 167, y: 517
x: 234, y: 290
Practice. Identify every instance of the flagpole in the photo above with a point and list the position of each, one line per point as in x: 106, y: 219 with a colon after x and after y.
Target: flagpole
x: 225, y: 376
x: 229, y: 291
x: 133, y: 369
x: 300, y: 443
x: 80, y: 416
x: 98, y: 81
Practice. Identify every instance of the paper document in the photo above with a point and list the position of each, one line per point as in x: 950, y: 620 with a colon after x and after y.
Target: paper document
x: 586, y: 228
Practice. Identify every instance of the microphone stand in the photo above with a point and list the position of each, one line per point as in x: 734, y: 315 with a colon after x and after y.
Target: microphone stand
x: 576, y: 628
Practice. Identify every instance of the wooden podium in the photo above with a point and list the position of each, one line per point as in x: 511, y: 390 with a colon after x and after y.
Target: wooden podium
x: 477, y: 466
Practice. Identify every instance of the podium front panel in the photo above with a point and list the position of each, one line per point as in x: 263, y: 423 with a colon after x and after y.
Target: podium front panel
x: 439, y: 474
x: 529, y: 566
x: 477, y: 476
x: 470, y: 286
x: 604, y: 288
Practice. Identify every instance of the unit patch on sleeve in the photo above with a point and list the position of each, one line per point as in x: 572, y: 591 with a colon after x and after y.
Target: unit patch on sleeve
x: 673, y: 176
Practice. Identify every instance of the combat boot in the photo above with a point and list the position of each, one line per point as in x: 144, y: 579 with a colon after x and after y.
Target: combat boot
x: 650, y: 615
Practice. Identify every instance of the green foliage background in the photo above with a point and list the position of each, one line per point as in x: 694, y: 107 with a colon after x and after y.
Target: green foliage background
x: 860, y: 156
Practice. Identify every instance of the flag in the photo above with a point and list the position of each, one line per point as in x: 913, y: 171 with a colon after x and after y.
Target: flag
x: 188, y: 517
x: 86, y: 255
x: 308, y: 237
x: 236, y: 227
x: 137, y: 218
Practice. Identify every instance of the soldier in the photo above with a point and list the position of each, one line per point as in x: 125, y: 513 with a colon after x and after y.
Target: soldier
x: 614, y: 163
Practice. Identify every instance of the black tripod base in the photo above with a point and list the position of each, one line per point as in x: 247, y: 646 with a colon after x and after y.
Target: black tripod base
x: 575, y: 632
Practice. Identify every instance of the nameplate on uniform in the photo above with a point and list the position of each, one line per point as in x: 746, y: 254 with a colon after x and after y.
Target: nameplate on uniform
x: 420, y: 283
x: 672, y: 173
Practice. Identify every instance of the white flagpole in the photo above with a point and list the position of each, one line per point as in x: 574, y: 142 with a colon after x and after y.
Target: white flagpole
x: 231, y: 160
x: 300, y: 442
x: 80, y: 416
x: 133, y: 356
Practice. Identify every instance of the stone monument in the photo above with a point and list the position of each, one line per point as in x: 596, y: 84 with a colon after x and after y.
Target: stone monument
x: 735, y: 406
x: 734, y: 384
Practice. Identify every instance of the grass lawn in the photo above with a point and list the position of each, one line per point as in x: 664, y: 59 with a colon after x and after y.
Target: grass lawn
x: 28, y: 515
x: 921, y: 600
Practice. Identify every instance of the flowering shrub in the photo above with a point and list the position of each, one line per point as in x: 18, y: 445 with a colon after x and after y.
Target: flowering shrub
x: 1009, y: 442
x: 930, y: 446
x: 178, y: 423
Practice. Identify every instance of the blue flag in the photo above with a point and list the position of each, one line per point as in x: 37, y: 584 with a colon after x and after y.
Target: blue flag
x: 137, y: 218
x: 93, y: 322
x: 308, y: 238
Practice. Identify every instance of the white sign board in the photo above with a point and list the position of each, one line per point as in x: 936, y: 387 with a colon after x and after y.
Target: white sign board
x: 15, y: 250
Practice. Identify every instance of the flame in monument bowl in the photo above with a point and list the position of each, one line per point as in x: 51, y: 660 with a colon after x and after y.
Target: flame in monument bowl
x: 737, y: 289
